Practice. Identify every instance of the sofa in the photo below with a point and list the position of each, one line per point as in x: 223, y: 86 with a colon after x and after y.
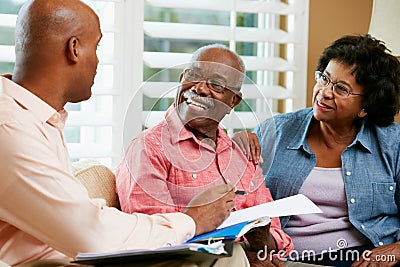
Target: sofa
x: 98, y: 180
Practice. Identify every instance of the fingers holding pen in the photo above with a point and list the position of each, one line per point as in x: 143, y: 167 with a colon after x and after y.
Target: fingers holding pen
x: 211, y: 207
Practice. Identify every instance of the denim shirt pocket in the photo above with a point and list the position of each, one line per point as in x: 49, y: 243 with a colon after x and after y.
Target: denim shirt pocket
x: 273, y: 184
x: 280, y: 187
x: 384, y: 199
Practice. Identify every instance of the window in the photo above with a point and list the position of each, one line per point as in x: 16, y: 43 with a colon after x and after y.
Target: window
x: 91, y: 127
x: 141, y: 54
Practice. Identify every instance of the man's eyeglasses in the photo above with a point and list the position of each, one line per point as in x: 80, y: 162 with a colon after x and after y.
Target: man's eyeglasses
x: 337, y: 88
x: 215, y: 84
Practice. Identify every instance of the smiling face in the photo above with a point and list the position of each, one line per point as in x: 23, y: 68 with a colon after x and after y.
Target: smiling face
x: 331, y: 108
x: 209, y: 90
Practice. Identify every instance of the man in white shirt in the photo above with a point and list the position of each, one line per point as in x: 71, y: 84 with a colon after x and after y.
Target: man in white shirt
x: 45, y: 213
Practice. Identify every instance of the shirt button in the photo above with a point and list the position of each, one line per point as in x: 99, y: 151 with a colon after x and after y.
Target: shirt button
x: 348, y: 173
x: 194, y: 175
x: 380, y: 243
x: 362, y: 226
x: 228, y: 181
x: 352, y: 200
x: 252, y: 183
x: 391, y: 188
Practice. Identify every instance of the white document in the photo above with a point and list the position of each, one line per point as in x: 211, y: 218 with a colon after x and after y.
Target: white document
x: 293, y: 205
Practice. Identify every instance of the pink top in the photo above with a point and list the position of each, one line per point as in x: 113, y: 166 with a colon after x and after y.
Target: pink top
x: 330, y: 230
x: 43, y: 208
x: 165, y: 166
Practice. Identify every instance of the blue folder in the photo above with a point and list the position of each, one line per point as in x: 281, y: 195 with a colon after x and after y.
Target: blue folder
x: 227, y: 233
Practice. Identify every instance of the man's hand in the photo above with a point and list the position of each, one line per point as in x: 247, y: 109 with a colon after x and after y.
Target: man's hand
x: 260, y: 238
x: 384, y: 256
x: 211, y: 207
x: 248, y: 143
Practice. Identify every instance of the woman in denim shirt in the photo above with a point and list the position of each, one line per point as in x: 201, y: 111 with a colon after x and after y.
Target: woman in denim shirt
x: 344, y: 154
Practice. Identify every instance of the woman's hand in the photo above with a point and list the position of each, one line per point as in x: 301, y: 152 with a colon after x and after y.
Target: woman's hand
x: 384, y: 256
x: 248, y: 143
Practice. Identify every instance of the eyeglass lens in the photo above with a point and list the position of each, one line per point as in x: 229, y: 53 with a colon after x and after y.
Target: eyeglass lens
x: 195, y: 77
x: 324, y: 81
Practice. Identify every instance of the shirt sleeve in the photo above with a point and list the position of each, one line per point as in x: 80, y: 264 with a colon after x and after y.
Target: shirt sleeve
x: 39, y: 196
x: 397, y: 181
x: 142, y: 178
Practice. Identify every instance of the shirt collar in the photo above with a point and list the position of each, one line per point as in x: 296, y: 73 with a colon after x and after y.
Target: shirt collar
x: 363, y: 137
x: 58, y: 119
x: 300, y: 140
x: 29, y: 101
x: 175, y: 126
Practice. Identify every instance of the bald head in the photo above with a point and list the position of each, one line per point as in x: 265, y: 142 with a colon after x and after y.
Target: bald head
x: 234, y: 58
x: 42, y: 23
x: 218, y: 53
x: 55, y: 49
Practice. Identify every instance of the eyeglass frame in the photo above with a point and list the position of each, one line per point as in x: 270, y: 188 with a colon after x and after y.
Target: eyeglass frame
x: 319, y: 74
x: 209, y: 83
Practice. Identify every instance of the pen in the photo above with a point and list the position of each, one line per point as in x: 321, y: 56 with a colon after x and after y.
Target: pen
x: 240, y: 192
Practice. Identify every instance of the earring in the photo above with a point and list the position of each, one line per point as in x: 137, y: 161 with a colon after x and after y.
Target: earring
x: 362, y: 113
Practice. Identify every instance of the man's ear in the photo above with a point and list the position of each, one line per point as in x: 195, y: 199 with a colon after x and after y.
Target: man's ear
x: 236, y: 100
x: 72, y: 49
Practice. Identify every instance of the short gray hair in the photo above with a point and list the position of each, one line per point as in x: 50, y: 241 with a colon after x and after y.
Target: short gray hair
x: 199, y: 51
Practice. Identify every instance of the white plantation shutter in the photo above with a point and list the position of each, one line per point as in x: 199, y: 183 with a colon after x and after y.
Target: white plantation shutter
x: 94, y: 127
x: 7, y: 55
x: 96, y: 121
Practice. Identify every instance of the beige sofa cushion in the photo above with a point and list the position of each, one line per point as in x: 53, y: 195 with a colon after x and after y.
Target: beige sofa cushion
x: 98, y: 180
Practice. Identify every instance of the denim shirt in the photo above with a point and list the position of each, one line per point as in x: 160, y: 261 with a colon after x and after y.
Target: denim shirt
x: 370, y: 169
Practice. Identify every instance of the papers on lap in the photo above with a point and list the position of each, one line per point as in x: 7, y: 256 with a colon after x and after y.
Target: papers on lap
x: 293, y: 205
x: 236, y: 225
x: 242, y: 221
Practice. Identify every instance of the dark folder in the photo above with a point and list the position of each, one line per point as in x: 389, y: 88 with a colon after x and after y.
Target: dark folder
x: 152, y: 256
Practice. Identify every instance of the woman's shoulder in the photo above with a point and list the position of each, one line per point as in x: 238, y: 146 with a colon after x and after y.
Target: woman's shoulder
x: 295, y: 115
x: 287, y: 121
x: 390, y: 133
x: 292, y: 119
x: 388, y: 140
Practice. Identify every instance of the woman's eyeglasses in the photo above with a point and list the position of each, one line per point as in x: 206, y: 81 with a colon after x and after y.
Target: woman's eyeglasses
x: 337, y: 88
